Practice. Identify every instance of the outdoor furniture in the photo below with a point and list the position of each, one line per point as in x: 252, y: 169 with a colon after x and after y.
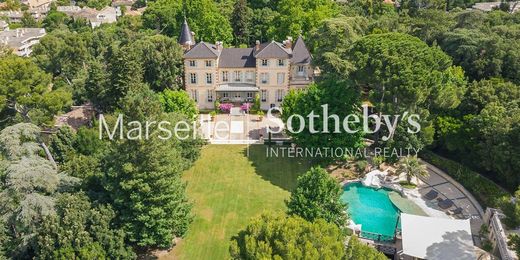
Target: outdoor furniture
x: 432, y: 194
x: 445, y: 204
x: 456, y: 211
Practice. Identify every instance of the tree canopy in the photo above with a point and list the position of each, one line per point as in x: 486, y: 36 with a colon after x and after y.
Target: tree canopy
x: 278, y: 236
x: 318, y: 196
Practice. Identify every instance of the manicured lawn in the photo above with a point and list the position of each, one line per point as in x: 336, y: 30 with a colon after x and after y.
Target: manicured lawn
x: 228, y: 188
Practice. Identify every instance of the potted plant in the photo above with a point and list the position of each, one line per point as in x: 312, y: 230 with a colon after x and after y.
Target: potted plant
x: 260, y: 115
x: 213, y: 114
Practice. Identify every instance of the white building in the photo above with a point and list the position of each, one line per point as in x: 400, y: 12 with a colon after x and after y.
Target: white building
x: 22, y: 40
x: 3, y: 26
x: 94, y: 17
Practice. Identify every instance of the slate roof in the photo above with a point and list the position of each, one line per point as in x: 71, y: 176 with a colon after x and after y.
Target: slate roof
x: 186, y: 37
x: 300, y: 53
x: 273, y: 50
x: 202, y: 50
x: 237, y: 58
x: 246, y: 57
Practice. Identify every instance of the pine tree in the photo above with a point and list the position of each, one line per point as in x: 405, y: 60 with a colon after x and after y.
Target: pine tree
x: 240, y: 21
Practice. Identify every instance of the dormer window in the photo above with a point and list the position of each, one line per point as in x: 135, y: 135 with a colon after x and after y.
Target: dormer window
x: 281, y: 63
x: 209, y: 63
x: 193, y: 63
x: 264, y: 63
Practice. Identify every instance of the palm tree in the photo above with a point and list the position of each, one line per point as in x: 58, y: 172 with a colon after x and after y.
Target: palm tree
x: 411, y: 166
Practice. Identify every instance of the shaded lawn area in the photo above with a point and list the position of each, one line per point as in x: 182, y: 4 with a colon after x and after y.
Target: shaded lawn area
x: 228, y: 188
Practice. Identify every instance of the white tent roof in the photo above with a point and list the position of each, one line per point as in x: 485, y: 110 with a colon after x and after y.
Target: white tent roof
x: 436, y: 238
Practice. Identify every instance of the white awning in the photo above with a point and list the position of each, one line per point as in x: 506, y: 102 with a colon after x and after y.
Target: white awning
x: 437, y: 238
x: 237, y: 87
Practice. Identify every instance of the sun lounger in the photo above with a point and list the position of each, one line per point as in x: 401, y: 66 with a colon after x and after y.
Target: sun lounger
x: 445, y: 204
x: 432, y: 194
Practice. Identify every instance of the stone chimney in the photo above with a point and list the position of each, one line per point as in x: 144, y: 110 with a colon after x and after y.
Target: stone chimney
x: 257, y: 45
x: 219, y: 45
x: 288, y: 42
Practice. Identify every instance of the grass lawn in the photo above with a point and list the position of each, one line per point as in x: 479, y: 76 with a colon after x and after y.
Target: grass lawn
x: 228, y: 188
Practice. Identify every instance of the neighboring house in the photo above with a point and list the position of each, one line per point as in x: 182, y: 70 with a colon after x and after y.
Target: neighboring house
x: 3, y: 26
x: 37, y: 13
x: 93, y: 16
x: 12, y: 16
x: 22, y: 40
x: 68, y: 9
x: 238, y: 74
x: 36, y: 3
x: 489, y: 6
x: 498, y: 235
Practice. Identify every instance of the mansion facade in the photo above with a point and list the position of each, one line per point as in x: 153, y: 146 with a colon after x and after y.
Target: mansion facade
x: 236, y: 75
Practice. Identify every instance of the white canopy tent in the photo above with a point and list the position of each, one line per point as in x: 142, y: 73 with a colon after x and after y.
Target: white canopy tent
x: 437, y: 238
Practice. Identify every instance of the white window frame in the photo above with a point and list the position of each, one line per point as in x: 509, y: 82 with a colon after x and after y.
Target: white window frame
x: 279, y: 95
x: 249, y: 76
x: 209, y: 63
x: 225, y: 76
x: 249, y: 94
x: 195, y: 95
x: 265, y: 63
x: 280, y: 78
x: 209, y: 78
x: 264, y: 78
x: 238, y: 76
x: 210, y: 95
x: 281, y: 63
x: 193, y: 78
x: 193, y: 63
x: 264, y: 95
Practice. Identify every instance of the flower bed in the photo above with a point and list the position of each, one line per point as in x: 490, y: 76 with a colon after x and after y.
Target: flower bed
x: 225, y: 107
x: 246, y: 106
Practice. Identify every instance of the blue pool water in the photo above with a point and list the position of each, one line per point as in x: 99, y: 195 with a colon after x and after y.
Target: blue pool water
x: 371, y: 208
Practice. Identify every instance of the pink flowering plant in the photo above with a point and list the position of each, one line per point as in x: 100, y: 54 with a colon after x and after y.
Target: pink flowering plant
x: 246, y: 106
x: 225, y: 107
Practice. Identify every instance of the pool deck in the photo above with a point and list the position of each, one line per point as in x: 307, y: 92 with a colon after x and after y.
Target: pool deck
x: 447, y: 189
x: 451, y: 189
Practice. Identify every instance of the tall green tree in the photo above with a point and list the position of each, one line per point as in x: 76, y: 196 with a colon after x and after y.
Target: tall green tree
x: 276, y: 236
x: 203, y: 16
x: 26, y: 93
x: 240, y: 21
x: 357, y: 250
x: 143, y: 176
x: 334, y: 95
x: 162, y: 61
x: 178, y: 101
x: 402, y: 75
x: 302, y: 17
x: 143, y: 181
x: 28, y: 187
x: 318, y: 196
x: 80, y: 231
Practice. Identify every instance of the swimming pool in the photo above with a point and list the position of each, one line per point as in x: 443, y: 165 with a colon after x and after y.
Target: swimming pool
x: 371, y: 208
